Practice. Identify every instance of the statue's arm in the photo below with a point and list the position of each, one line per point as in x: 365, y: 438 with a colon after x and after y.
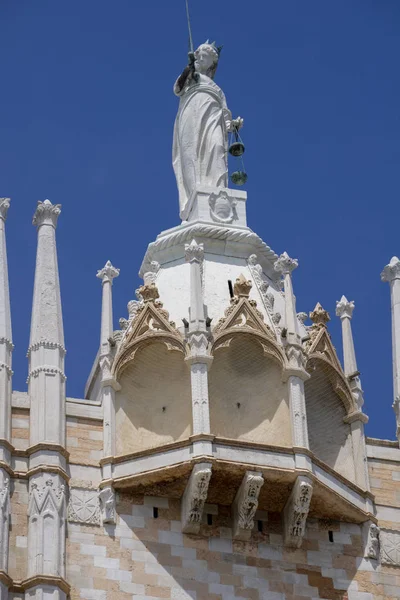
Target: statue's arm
x: 184, y: 77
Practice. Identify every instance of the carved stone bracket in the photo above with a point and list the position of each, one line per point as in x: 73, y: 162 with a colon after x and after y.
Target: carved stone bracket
x: 84, y: 506
x: 194, y: 498
x: 107, y: 505
x: 245, y: 504
x: 296, y: 511
x: 390, y: 547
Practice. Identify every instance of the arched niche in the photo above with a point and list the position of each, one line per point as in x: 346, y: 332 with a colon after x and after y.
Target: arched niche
x: 327, y: 404
x: 248, y: 400
x: 153, y: 406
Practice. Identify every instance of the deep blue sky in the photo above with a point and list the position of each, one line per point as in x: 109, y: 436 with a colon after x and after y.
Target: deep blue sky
x: 87, y: 111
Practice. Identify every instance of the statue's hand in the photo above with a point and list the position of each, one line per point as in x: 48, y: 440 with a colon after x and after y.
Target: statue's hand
x: 237, y: 124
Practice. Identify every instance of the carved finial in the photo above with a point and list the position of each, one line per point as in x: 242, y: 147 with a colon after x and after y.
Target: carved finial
x: 107, y: 273
x: 392, y: 270
x: 46, y: 213
x: 285, y: 265
x: 344, y: 308
x: 302, y: 317
x: 149, y: 292
x: 242, y: 287
x: 319, y: 316
x: 4, y: 206
x: 194, y: 251
x: 151, y: 275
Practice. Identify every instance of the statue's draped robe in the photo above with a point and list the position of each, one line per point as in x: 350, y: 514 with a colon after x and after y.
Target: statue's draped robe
x: 200, y: 144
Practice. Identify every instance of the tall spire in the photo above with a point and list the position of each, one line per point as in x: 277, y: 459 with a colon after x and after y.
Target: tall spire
x: 344, y: 310
x: 391, y: 274
x: 6, y: 345
x: 46, y: 349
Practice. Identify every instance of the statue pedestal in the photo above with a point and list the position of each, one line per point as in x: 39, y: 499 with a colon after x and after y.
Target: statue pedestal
x: 222, y: 206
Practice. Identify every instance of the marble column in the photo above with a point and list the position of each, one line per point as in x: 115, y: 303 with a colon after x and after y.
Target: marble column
x: 391, y: 274
x: 46, y: 388
x: 108, y: 384
x: 199, y: 358
x: 344, y: 310
x: 297, y: 373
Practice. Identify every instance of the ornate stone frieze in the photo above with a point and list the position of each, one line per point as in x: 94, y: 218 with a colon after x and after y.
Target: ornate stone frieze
x: 4, y: 206
x: 285, y: 265
x: 372, y: 542
x: 107, y: 273
x: 4, y: 520
x: 46, y: 213
x: 107, y: 505
x: 243, y: 312
x: 392, y: 270
x: 390, y: 547
x: 296, y: 511
x: 245, y: 504
x: 222, y: 207
x: 194, y: 252
x: 194, y: 498
x: 84, y: 506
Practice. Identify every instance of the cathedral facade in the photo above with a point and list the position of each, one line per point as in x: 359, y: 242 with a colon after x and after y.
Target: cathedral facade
x: 219, y: 451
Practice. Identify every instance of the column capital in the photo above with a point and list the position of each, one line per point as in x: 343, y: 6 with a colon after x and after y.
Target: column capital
x: 344, y: 308
x: 46, y: 214
x: 107, y: 273
x: 4, y: 206
x: 285, y: 265
x: 392, y: 270
x: 194, y: 252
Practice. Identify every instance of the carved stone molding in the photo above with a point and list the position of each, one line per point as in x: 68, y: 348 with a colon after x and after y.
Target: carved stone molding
x: 392, y: 270
x: 344, y: 308
x: 390, y: 547
x: 46, y: 214
x: 222, y: 208
x: 296, y: 511
x: 4, y: 206
x: 285, y: 265
x: 107, y: 505
x: 194, y: 498
x: 48, y: 370
x: 107, y: 273
x: 84, y: 506
x: 194, y: 252
x: 46, y: 525
x: 245, y: 504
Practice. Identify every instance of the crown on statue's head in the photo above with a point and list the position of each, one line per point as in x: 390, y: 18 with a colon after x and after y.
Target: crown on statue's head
x: 212, y: 44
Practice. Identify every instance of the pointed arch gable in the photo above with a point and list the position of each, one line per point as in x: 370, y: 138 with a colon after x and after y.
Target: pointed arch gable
x: 242, y: 317
x: 150, y: 324
x: 322, y: 354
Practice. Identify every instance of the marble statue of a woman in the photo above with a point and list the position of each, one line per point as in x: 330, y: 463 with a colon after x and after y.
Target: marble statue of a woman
x: 200, y: 147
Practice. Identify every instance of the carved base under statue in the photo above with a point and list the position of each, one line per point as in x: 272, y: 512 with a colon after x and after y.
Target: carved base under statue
x: 222, y: 206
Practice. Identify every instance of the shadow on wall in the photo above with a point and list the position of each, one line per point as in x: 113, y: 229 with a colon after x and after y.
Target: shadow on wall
x: 154, y: 405
x: 248, y: 400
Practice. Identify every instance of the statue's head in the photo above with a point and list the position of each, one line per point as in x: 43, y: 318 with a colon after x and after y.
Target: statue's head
x: 206, y: 59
